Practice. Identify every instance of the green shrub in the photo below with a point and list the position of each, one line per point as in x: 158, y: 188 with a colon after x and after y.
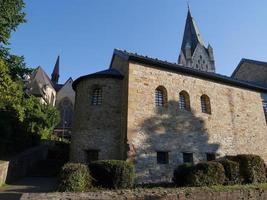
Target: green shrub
x: 74, y: 177
x: 181, y: 174
x: 231, y: 169
x: 112, y: 173
x: 251, y: 168
x: 207, y: 174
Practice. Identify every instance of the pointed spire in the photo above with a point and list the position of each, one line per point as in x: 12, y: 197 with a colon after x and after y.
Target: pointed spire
x: 55, y: 74
x: 191, y: 33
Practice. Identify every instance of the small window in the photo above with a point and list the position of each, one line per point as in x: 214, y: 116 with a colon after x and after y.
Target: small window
x: 188, y: 158
x: 264, y: 105
x: 184, y: 101
x: 161, y: 97
x: 211, y: 156
x: 162, y: 157
x: 205, y: 104
x: 97, y: 96
x: 92, y: 155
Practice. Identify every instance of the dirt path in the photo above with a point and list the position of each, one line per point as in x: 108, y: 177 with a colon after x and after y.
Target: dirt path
x: 27, y: 185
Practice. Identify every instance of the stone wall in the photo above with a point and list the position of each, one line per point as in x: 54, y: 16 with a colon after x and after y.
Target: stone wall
x: 97, y: 127
x: 155, y: 194
x: 236, y: 124
x: 3, y: 171
x: 20, y: 165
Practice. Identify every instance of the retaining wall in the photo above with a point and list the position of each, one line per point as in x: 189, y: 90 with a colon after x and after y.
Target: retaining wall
x: 154, y: 194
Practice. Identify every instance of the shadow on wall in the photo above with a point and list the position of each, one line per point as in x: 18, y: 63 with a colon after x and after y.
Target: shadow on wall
x: 170, y: 130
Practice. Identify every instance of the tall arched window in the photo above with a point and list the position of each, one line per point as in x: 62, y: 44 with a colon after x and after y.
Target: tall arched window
x: 184, y: 101
x: 66, y: 112
x: 161, y: 96
x: 205, y: 104
x: 97, y: 96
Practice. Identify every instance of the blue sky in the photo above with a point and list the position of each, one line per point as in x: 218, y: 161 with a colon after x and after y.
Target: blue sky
x: 85, y: 32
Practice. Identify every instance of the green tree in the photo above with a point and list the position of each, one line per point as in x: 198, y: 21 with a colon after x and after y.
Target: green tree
x: 40, y: 119
x: 11, y: 92
x: 11, y: 15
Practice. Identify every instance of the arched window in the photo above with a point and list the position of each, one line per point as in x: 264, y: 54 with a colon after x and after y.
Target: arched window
x: 205, y: 104
x: 97, y: 96
x: 184, y: 101
x: 66, y: 113
x: 161, y: 96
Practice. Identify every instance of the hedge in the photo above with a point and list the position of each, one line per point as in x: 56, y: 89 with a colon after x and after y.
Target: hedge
x: 74, y: 177
x: 112, y: 173
x: 202, y: 174
x: 207, y: 174
x: 251, y: 167
x: 181, y: 174
x: 231, y: 169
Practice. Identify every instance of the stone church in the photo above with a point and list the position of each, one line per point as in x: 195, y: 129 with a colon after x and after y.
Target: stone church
x: 49, y: 91
x: 158, y: 114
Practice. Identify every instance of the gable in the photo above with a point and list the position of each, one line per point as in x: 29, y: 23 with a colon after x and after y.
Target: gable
x: 251, y: 71
x: 200, y: 59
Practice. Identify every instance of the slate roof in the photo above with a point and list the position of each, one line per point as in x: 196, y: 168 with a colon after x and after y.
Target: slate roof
x: 192, y: 36
x: 41, y: 77
x: 57, y: 87
x: 174, y: 67
x: 109, y: 73
x: 56, y: 68
x: 245, y: 60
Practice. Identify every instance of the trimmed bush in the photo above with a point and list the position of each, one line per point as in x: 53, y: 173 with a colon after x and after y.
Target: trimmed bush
x: 231, y: 169
x: 207, y: 174
x: 112, y: 173
x: 251, y: 168
x: 181, y: 174
x: 74, y: 177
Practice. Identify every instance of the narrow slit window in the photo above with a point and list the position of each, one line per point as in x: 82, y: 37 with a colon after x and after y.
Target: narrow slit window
x: 97, y: 96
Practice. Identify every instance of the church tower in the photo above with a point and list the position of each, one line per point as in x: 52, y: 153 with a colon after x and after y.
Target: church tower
x: 55, y: 74
x: 193, y: 53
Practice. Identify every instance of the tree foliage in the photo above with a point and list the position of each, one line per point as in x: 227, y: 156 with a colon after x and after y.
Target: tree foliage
x: 23, y: 119
x: 11, y: 92
x: 11, y: 15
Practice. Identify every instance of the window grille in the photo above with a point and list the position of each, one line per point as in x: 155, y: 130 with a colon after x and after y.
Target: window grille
x: 182, y: 105
x: 205, y: 104
x: 159, y: 98
x: 92, y: 155
x: 188, y: 157
x: 211, y: 156
x: 184, y: 101
x: 162, y: 157
x: 97, y: 96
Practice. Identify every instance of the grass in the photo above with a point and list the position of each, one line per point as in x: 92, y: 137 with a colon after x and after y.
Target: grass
x: 3, y: 186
